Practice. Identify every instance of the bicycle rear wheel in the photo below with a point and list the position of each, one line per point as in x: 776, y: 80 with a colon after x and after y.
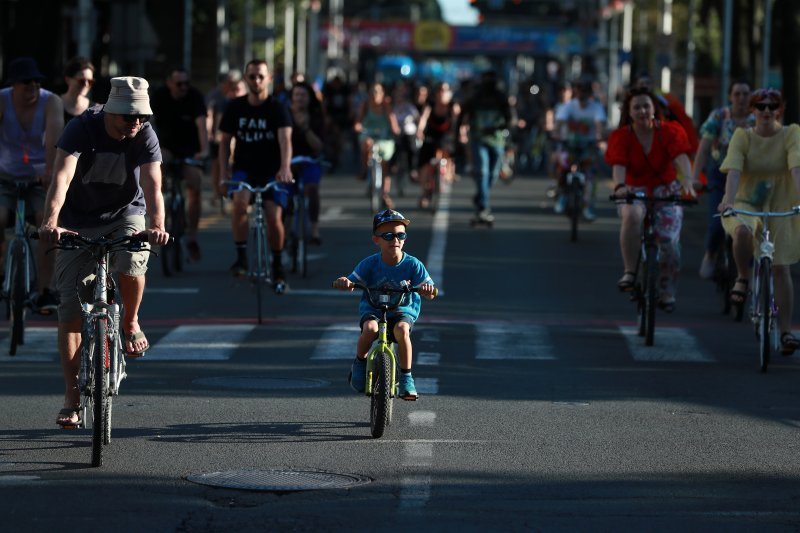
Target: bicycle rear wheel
x: 764, y: 313
x: 575, y: 200
x: 302, y: 238
x: 101, y: 419
x: 172, y: 254
x: 18, y: 294
x: 650, y: 296
x: 381, y: 400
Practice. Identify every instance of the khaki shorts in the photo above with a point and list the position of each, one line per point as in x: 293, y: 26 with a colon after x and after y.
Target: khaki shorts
x: 75, y: 268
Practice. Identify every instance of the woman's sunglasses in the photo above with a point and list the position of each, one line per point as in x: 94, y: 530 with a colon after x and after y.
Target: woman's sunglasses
x: 772, y: 106
x: 390, y: 236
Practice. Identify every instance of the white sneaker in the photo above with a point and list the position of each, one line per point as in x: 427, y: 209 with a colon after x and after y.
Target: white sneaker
x: 707, y: 268
x: 588, y: 214
x: 561, y: 205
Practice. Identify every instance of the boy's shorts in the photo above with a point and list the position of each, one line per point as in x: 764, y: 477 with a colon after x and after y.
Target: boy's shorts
x: 278, y: 195
x: 392, y: 321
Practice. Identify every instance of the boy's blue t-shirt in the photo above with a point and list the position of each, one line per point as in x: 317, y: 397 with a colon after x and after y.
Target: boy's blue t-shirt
x: 373, y: 272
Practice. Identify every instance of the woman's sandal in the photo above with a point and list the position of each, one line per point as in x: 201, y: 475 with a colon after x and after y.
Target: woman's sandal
x: 625, y: 283
x: 738, y: 296
x: 789, y: 343
x: 66, y: 415
x: 667, y: 304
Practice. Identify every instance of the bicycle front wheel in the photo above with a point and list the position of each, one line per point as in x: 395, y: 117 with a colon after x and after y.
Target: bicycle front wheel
x: 764, y: 313
x: 259, y: 266
x: 302, y: 238
x: 375, y: 186
x: 381, y: 400
x: 100, y: 396
x: 18, y: 294
x: 650, y: 297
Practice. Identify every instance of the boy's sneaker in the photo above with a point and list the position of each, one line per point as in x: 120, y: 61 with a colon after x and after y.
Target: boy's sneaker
x: 358, y: 374
x: 407, y: 389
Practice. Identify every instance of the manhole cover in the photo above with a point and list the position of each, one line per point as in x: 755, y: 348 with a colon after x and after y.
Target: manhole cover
x: 278, y: 480
x: 260, y: 383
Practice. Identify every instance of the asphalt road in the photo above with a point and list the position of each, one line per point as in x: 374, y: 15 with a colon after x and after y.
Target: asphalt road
x: 539, y: 408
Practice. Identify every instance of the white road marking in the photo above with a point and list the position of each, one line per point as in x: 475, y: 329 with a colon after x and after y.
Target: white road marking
x: 435, y: 262
x: 172, y: 290
x: 338, y: 342
x: 415, y: 491
x: 509, y: 341
x: 418, y: 454
x: 670, y: 344
x: 422, y: 418
x: 430, y: 335
x: 199, y: 343
x: 427, y: 385
x: 428, y: 358
x: 41, y: 346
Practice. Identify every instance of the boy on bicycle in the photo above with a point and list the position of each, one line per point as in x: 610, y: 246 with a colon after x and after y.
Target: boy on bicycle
x: 391, y: 267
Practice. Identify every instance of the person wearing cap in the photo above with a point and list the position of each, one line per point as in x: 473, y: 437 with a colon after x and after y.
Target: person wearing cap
x: 31, y: 119
x: 180, y: 121
x: 107, y: 178
x: 262, y: 127
x: 390, y: 267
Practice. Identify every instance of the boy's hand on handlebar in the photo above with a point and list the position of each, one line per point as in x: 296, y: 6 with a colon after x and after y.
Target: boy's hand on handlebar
x: 343, y: 284
x: 426, y: 290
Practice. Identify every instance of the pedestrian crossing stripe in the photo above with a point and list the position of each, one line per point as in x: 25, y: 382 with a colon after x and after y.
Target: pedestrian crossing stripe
x: 509, y: 341
x: 200, y: 343
x: 670, y: 344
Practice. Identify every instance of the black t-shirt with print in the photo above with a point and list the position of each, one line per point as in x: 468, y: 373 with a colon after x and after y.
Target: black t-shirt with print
x: 256, y: 128
x: 106, y: 184
x: 175, y: 120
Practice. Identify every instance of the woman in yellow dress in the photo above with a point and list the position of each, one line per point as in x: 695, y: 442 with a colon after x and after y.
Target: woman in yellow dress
x: 763, y: 167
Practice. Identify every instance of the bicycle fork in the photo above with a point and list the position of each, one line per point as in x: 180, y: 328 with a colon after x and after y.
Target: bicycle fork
x: 383, y: 347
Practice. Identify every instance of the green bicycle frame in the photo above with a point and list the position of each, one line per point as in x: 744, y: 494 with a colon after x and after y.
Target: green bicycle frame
x: 381, y: 345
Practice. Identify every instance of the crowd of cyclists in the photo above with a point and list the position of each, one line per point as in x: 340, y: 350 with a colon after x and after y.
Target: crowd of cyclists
x: 252, y: 122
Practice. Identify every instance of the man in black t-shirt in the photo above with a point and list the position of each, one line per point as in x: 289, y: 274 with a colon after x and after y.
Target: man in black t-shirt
x: 180, y: 121
x: 262, y: 128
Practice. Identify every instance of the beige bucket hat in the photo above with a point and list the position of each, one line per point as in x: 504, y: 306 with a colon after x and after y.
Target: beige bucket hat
x: 128, y: 96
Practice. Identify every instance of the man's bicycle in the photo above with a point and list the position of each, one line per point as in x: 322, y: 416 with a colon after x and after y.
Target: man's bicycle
x: 375, y: 177
x: 102, y: 352
x: 172, y: 255
x: 645, y: 285
x: 298, y: 223
x: 259, y: 271
x: 577, y: 162
x: 763, y: 310
x: 382, y: 384
x: 20, y: 269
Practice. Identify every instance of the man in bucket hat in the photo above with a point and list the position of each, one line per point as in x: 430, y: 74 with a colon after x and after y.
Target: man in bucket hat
x: 114, y: 156
x: 31, y: 119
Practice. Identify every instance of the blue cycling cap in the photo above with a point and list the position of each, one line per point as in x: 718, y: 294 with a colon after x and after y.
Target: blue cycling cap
x: 389, y: 215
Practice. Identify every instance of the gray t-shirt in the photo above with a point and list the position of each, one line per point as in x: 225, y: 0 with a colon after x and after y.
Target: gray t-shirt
x: 106, y: 183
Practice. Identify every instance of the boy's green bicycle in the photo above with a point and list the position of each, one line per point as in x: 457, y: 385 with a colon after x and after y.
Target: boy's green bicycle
x: 382, y: 385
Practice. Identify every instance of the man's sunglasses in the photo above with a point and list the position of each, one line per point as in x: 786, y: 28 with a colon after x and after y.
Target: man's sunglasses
x: 390, y: 236
x: 772, y: 106
x: 256, y: 77
x: 131, y: 119
x: 84, y: 81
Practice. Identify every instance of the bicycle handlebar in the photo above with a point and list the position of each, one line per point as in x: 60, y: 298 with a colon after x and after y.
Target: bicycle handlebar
x: 731, y: 212
x: 631, y: 197
x: 239, y: 185
x: 389, y: 290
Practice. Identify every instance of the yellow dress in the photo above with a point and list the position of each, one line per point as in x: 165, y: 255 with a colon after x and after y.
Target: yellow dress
x: 767, y: 185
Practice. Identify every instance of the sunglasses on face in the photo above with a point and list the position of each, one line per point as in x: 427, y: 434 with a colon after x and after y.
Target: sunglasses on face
x: 256, y: 77
x: 390, y: 236
x: 84, y: 81
x: 131, y: 119
x: 772, y: 106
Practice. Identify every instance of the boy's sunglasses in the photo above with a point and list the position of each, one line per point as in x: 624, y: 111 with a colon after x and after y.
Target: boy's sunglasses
x: 772, y: 106
x: 131, y: 119
x: 390, y: 236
